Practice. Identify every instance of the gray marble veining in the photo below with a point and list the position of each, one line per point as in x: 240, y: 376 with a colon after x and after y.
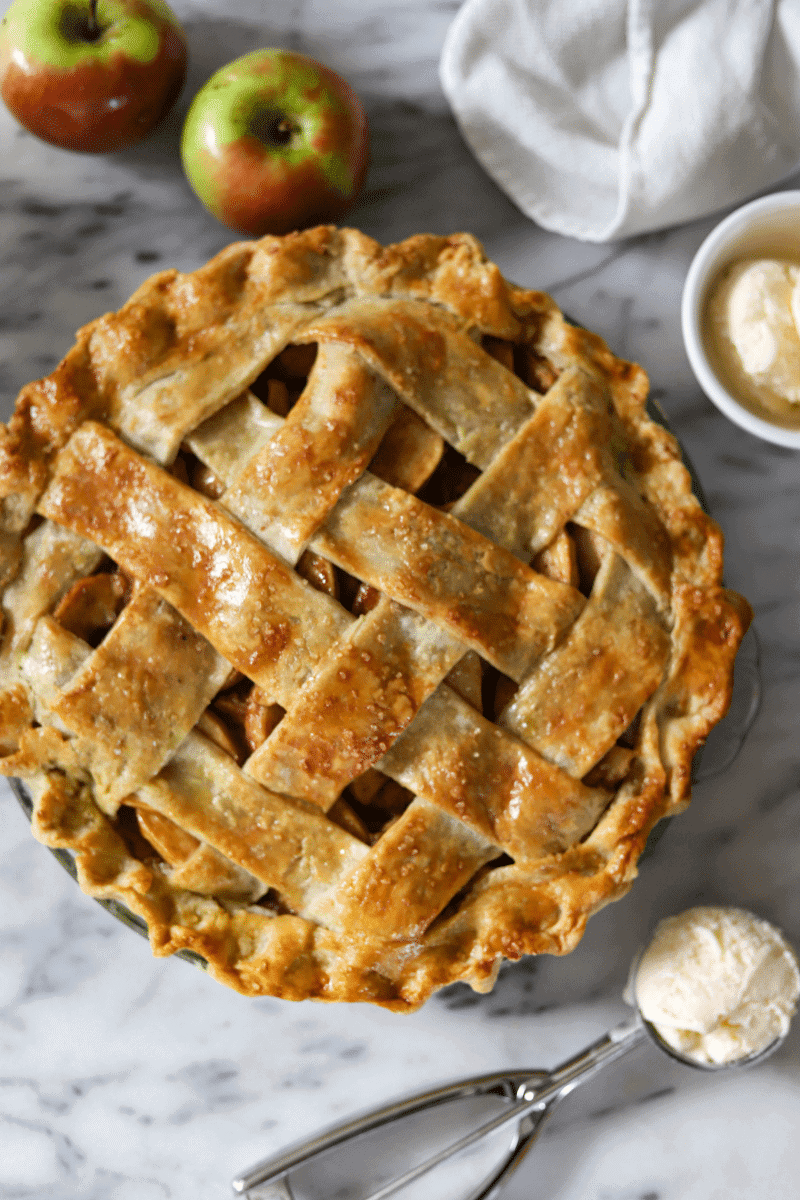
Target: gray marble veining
x: 128, y: 1078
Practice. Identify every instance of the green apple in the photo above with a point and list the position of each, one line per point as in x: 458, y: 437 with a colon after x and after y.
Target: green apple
x: 275, y: 141
x: 91, y: 75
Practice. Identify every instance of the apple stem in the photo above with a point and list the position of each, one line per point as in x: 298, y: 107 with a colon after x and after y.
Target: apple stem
x: 272, y: 128
x: 79, y: 26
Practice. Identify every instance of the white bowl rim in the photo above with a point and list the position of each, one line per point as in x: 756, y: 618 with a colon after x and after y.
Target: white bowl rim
x: 705, y: 262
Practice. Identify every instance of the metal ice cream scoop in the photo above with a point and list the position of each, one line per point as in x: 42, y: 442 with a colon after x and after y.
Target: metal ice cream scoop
x: 526, y: 1099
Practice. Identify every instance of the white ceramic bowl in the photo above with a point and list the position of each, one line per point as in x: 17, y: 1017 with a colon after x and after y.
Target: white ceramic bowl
x: 767, y: 227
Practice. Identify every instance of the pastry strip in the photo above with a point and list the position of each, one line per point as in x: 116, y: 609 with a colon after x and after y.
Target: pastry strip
x: 226, y: 441
x: 287, y: 490
x: 407, y: 878
x: 156, y: 412
x: 632, y: 527
x: 433, y: 563
x: 585, y: 694
x: 409, y: 453
x: 53, y: 559
x: 138, y: 695
x: 196, y: 866
x: 52, y: 658
x: 167, y: 367
x: 428, y: 357
x: 286, y: 844
x: 210, y: 873
x: 355, y: 704
x: 249, y: 604
x: 456, y: 759
x: 538, y: 480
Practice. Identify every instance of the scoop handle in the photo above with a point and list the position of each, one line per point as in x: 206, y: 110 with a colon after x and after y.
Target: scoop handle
x: 532, y: 1094
x: 499, y: 1083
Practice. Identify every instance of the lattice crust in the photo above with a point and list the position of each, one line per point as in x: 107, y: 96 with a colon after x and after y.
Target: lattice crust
x: 358, y: 623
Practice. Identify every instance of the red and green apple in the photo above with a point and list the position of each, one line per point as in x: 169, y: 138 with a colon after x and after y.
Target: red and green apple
x: 91, y: 75
x: 276, y: 141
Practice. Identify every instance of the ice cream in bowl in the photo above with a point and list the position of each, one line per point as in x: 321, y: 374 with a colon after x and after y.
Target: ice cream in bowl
x: 741, y: 317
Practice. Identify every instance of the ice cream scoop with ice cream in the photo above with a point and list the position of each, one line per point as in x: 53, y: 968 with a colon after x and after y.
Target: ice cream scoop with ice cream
x: 718, y: 985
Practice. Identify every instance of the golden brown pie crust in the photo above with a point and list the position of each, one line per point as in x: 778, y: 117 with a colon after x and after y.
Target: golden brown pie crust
x: 468, y: 711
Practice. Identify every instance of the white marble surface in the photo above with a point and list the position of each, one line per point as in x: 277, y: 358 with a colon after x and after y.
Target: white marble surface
x: 126, y: 1078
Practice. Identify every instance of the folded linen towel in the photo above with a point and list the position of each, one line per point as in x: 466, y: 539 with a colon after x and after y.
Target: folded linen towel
x: 606, y: 118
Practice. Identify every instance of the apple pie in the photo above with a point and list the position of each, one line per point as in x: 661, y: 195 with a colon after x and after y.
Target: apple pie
x: 359, y: 624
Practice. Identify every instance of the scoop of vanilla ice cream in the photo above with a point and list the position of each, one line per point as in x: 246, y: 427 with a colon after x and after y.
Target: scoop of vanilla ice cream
x: 761, y: 307
x: 718, y: 984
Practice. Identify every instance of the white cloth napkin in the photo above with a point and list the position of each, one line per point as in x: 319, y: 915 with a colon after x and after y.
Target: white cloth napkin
x: 606, y: 118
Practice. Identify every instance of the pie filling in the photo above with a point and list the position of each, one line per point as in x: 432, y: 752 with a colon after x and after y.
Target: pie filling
x: 359, y: 624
